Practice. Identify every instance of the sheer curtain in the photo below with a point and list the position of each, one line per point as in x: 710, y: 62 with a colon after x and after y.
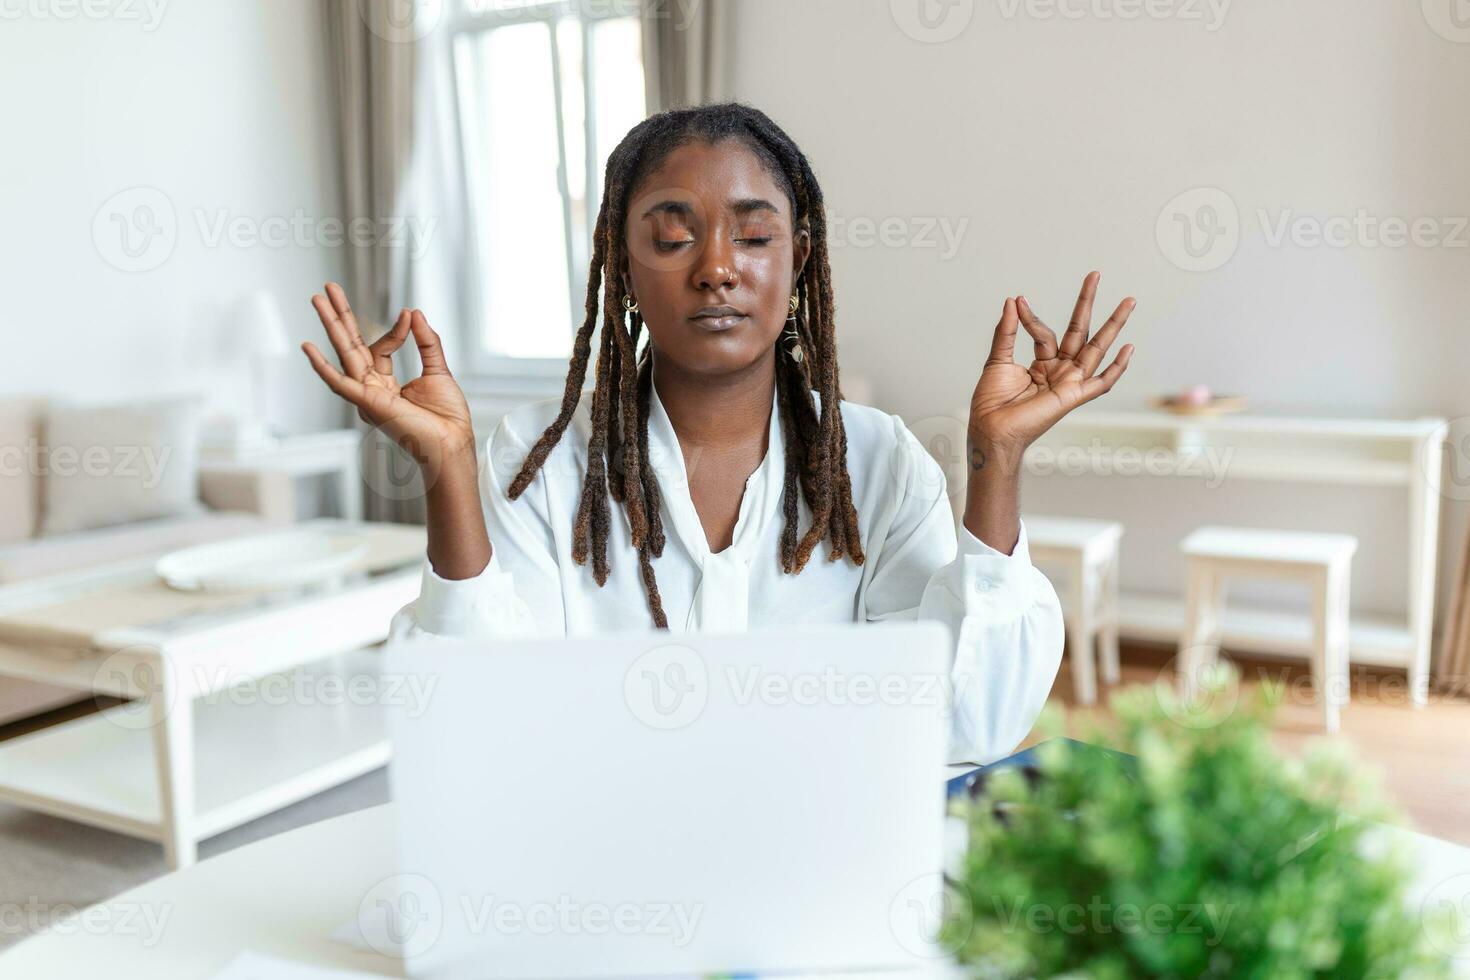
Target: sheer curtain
x: 398, y: 171
x: 685, y: 54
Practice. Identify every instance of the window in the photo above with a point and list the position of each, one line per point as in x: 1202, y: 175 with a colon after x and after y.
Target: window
x: 544, y: 90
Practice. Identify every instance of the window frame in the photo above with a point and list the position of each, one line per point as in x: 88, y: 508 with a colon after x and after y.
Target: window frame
x: 532, y: 373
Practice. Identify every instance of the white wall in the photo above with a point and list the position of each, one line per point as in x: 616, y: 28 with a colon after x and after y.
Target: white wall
x: 1060, y: 141
x: 222, y: 108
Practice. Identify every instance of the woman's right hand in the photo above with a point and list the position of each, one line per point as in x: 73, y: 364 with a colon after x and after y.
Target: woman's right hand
x: 429, y: 416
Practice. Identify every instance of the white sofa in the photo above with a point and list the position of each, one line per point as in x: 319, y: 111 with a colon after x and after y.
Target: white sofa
x: 230, y: 506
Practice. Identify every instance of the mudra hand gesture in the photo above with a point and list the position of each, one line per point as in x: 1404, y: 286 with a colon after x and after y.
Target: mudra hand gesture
x: 1013, y: 404
x: 428, y: 416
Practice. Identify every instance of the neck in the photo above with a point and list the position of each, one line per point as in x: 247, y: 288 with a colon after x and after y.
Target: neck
x: 717, y: 412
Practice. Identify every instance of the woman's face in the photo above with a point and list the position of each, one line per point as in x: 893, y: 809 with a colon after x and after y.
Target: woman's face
x: 713, y: 257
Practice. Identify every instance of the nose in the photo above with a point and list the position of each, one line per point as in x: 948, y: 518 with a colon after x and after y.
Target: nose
x: 716, y: 266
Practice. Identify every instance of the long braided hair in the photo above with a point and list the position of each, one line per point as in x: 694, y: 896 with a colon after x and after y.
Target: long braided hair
x: 617, y: 448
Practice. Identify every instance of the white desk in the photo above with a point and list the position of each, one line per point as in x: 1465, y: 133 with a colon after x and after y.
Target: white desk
x: 285, y: 895
x: 1355, y: 452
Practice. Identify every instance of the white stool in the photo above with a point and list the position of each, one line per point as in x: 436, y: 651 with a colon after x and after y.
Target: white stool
x: 1322, y: 561
x: 1089, y: 551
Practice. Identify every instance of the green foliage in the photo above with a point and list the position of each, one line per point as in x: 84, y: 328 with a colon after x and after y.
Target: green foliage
x: 1214, y: 857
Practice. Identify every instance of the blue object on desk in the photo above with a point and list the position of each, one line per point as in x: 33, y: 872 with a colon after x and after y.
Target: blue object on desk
x: 1029, y: 762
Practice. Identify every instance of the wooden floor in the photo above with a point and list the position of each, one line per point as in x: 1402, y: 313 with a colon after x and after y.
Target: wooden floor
x: 1422, y: 755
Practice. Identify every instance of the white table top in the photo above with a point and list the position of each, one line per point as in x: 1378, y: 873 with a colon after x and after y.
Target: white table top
x: 283, y: 897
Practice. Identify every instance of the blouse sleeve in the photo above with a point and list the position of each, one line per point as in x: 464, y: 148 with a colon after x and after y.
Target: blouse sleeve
x: 1002, y: 612
x: 519, y: 591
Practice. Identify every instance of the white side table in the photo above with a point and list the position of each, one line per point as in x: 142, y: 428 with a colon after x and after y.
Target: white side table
x: 280, y: 461
x: 224, y: 725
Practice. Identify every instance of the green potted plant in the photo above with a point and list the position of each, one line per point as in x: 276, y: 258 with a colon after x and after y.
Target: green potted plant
x: 1211, y: 855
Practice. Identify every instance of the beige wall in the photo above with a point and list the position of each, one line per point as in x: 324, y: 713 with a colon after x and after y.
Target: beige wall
x: 1056, y: 144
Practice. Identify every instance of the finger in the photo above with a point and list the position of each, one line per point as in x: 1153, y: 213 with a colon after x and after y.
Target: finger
x: 1046, y: 341
x: 431, y: 351
x: 383, y: 348
x: 1096, y: 349
x: 1081, y: 317
x: 354, y: 357
x: 338, y: 296
x: 1003, y: 345
x: 348, y: 388
x: 1103, y: 383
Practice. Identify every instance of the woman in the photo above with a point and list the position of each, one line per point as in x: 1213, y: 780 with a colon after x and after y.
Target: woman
x: 748, y: 493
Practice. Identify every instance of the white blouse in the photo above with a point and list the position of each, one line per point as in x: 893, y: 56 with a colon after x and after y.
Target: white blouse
x: 1002, y: 612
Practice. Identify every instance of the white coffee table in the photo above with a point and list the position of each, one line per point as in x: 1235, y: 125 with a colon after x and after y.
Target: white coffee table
x: 225, y: 727
x: 284, y: 896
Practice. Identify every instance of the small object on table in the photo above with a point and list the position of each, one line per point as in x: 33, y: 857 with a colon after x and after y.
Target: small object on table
x: 279, y: 560
x: 1199, y: 400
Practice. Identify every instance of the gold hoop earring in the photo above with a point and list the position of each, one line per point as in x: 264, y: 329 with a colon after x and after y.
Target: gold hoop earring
x: 630, y: 304
x: 789, y: 336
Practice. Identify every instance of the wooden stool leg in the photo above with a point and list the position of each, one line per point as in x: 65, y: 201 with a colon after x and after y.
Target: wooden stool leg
x: 1323, y: 648
x: 1199, y: 644
x: 1108, y: 638
x: 1080, y: 629
x: 1339, y: 677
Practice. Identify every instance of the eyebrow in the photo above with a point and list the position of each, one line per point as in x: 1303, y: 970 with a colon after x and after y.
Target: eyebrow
x: 743, y: 206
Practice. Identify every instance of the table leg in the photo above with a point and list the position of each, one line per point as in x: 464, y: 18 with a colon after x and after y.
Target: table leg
x: 173, y: 749
x: 351, y: 483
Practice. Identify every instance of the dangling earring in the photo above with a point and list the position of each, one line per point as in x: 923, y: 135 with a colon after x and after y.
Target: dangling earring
x: 630, y: 304
x: 790, y: 336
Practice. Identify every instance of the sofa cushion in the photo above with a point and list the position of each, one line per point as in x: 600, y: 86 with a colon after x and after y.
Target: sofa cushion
x: 113, y: 464
x: 20, y: 468
x: 81, y: 549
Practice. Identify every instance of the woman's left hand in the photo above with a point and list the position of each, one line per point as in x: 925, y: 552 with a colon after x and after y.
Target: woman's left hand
x: 1013, y: 404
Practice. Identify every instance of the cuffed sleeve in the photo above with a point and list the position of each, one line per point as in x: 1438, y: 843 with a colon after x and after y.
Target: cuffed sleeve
x: 519, y: 592
x: 1008, y: 630
x: 1002, y: 612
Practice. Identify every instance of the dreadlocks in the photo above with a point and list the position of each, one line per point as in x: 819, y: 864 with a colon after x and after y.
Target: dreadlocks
x: 617, y: 449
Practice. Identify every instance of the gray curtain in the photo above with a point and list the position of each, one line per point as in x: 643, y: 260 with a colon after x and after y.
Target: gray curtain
x: 373, y: 61
x: 1452, y: 672
x: 685, y: 52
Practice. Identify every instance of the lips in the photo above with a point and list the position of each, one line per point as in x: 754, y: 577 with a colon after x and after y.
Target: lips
x: 717, y: 318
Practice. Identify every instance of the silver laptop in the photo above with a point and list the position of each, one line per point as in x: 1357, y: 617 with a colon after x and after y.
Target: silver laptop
x: 668, y: 804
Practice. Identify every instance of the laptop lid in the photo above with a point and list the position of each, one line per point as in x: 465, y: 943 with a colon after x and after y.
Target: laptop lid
x: 658, y: 804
